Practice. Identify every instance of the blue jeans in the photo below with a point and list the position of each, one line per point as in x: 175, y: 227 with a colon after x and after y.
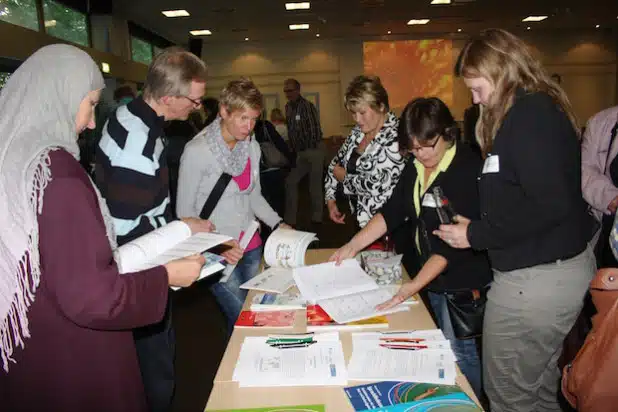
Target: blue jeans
x: 228, y: 294
x: 465, y: 350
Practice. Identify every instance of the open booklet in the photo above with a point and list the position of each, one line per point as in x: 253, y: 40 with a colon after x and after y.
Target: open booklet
x: 285, y: 249
x: 344, y: 291
x: 172, y: 241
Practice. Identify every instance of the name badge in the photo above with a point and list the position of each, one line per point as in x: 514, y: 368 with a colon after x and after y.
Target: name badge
x: 429, y: 201
x: 492, y: 164
x: 297, y: 118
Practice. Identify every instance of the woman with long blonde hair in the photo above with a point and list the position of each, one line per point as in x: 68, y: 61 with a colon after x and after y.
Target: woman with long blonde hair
x: 533, y: 222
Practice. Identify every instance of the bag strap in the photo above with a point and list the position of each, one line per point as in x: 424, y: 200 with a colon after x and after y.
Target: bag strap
x: 266, y: 132
x: 215, y: 195
x: 612, y: 137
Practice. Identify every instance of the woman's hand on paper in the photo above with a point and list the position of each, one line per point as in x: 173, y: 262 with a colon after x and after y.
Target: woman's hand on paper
x: 285, y: 226
x: 183, y: 272
x: 334, y: 213
x: 456, y: 235
x: 406, y: 290
x: 198, y: 225
x: 233, y: 253
x: 344, y: 252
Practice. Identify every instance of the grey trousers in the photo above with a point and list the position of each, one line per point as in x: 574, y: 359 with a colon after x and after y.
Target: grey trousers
x: 309, y: 161
x: 529, y: 311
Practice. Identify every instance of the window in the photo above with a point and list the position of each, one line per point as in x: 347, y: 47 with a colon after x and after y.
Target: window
x: 65, y: 23
x: 141, y: 50
x: 20, y: 12
x: 4, y: 77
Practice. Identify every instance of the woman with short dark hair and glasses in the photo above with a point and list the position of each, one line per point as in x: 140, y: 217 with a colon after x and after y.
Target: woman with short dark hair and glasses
x: 428, y: 131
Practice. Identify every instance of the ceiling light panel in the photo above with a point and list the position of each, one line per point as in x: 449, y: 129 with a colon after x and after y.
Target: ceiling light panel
x: 175, y: 13
x: 203, y: 32
x: 417, y: 21
x: 440, y: 1
x: 535, y: 18
x: 299, y: 26
x: 298, y: 6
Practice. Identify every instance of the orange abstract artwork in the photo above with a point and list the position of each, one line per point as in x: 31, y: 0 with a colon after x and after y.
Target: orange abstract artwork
x: 411, y: 68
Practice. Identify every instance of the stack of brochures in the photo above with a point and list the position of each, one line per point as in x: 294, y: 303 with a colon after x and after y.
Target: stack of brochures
x: 410, y: 356
x: 291, y: 360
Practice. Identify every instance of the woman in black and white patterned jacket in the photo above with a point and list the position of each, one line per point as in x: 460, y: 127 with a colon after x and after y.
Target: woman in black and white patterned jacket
x: 369, y: 163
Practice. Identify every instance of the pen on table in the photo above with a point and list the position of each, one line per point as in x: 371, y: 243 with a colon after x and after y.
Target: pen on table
x: 295, y: 345
x: 289, y: 341
x: 413, y: 340
x: 417, y: 347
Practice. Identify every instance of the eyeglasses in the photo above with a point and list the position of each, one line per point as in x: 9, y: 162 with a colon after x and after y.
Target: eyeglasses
x: 196, y: 102
x: 288, y: 90
x: 430, y: 146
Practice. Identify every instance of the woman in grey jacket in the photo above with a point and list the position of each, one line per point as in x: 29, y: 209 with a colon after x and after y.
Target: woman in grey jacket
x: 227, y: 146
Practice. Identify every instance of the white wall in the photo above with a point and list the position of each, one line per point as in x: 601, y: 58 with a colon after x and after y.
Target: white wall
x: 586, y: 62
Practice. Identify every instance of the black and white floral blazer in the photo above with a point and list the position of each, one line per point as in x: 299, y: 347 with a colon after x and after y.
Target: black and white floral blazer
x: 377, y: 170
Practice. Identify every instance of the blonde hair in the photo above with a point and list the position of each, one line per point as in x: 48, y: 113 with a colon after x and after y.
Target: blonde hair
x: 369, y: 90
x: 507, y: 63
x: 276, y: 115
x: 171, y: 73
x: 240, y: 95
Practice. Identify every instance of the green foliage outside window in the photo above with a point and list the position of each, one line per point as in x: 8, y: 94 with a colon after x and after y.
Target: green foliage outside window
x: 20, y: 12
x: 65, y: 23
x: 141, y: 50
x: 4, y: 77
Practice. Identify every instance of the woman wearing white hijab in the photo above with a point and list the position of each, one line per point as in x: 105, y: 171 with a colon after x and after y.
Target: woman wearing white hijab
x: 65, y: 312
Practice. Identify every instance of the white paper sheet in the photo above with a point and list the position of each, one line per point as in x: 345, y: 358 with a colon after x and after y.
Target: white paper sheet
x: 327, y: 280
x: 275, y: 280
x: 370, y: 361
x: 321, y: 364
x: 358, y: 306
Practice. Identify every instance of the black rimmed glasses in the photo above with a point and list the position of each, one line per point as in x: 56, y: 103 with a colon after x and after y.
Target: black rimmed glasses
x: 196, y: 102
x: 431, y: 146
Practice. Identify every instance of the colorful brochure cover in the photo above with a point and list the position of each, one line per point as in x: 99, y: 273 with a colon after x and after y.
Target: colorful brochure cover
x: 273, y: 319
x: 318, y: 319
x: 302, y: 408
x: 409, y: 397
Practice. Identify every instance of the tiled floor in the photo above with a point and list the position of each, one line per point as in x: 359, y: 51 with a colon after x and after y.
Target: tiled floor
x: 200, y: 325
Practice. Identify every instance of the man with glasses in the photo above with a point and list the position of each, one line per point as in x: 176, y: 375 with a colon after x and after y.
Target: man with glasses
x: 305, y: 135
x: 132, y: 174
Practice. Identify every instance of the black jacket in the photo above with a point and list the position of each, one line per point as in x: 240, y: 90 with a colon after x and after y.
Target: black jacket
x: 467, y: 268
x: 264, y: 127
x: 532, y: 210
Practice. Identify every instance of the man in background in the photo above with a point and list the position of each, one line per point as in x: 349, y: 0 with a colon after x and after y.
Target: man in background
x: 132, y: 174
x: 305, y: 137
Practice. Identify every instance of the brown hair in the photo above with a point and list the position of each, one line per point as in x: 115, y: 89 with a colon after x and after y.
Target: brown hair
x: 171, y: 73
x: 276, y: 115
x: 507, y: 63
x: 366, y: 89
x: 425, y: 119
x: 241, y: 94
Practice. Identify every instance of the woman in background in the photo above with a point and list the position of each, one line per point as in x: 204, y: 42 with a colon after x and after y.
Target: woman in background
x: 533, y: 222
x: 65, y: 312
x: 278, y: 120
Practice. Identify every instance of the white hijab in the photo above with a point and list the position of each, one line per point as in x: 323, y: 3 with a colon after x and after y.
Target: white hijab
x: 38, y: 108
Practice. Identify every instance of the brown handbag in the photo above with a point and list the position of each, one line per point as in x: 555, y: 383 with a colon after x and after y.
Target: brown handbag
x: 589, y: 382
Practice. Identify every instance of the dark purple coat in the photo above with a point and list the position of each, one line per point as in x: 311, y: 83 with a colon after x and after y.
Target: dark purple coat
x: 81, y: 355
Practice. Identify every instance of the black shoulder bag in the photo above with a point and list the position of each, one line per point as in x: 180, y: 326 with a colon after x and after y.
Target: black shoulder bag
x: 215, y: 195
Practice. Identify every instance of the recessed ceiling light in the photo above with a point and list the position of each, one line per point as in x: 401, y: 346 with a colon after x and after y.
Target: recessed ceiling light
x: 528, y: 28
x: 175, y: 13
x: 246, y: 39
x: 317, y: 35
x: 417, y: 21
x: 535, y: 18
x: 298, y: 6
x: 105, y: 67
x: 440, y: 1
x: 388, y: 32
x: 303, y: 26
x: 597, y: 26
x: 459, y: 30
x: 203, y: 32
